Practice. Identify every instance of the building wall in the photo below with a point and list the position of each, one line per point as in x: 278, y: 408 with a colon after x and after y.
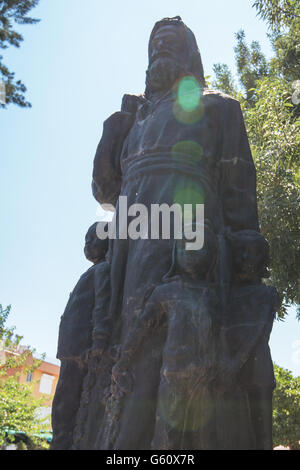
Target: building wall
x: 44, y: 378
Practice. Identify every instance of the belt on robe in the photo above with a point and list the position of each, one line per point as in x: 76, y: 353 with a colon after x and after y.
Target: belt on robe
x: 164, y: 162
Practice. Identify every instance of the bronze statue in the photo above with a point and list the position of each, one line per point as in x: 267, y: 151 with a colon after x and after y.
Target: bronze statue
x: 179, y: 143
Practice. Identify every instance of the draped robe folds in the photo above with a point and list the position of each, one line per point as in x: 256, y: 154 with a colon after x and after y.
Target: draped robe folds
x: 154, y: 158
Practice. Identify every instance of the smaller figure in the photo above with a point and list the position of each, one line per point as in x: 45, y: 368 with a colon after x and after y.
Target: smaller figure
x: 247, y: 328
x: 185, y: 306
x: 83, y: 331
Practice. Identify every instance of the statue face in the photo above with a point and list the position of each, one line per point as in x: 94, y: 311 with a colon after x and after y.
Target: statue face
x: 193, y: 262
x: 247, y: 258
x: 167, y: 43
x: 94, y: 249
x: 167, y: 58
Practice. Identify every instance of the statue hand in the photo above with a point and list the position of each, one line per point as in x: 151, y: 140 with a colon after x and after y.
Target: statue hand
x: 130, y: 104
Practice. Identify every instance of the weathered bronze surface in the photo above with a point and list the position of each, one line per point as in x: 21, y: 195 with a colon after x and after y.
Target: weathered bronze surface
x: 164, y: 348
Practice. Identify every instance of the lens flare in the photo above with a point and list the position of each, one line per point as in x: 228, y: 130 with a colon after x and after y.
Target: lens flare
x: 188, y: 105
x: 187, y: 147
x: 183, y: 412
x: 189, y: 193
x: 189, y: 93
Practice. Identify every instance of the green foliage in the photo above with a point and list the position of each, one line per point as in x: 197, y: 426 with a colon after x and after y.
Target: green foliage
x: 282, y: 17
x: 4, y: 312
x: 11, y: 12
x: 224, y: 79
x: 251, y: 64
x: 274, y: 134
x: 287, y: 53
x: 271, y: 113
x: 286, y: 409
x: 278, y: 13
x: 18, y: 407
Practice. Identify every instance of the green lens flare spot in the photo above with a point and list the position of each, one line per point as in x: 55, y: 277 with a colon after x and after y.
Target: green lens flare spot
x: 189, y: 148
x: 189, y: 195
x: 180, y: 411
x: 188, y: 106
x: 189, y: 93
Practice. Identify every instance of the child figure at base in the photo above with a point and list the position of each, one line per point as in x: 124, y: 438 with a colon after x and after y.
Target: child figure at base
x: 247, y: 328
x: 185, y: 306
x: 83, y: 329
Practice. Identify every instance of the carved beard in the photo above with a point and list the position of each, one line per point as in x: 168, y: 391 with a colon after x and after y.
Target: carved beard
x: 162, y: 74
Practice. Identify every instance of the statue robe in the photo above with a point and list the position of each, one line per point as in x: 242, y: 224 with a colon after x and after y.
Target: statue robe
x: 160, y: 157
x: 85, y: 316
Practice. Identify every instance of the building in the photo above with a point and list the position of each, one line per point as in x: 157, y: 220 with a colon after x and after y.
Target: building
x: 44, y: 378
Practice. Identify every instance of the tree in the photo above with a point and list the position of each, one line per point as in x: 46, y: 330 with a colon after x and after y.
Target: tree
x: 18, y: 407
x: 270, y: 97
x: 11, y: 12
x: 286, y: 409
x: 274, y: 135
x: 225, y: 80
x: 251, y: 65
x: 282, y: 17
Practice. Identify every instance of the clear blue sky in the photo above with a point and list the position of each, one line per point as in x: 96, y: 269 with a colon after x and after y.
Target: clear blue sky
x: 77, y: 63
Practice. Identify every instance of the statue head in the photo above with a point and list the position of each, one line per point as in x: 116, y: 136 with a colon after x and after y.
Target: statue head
x: 172, y: 52
x: 250, y: 253
x: 197, y: 264
x: 95, y: 249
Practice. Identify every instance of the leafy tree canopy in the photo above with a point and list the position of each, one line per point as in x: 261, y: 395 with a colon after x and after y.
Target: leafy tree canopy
x: 13, y: 12
x: 269, y: 93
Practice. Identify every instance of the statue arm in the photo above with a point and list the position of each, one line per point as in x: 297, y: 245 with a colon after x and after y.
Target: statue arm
x: 255, y: 333
x: 236, y: 188
x: 231, y: 364
x: 238, y: 174
x: 101, y: 320
x: 107, y: 175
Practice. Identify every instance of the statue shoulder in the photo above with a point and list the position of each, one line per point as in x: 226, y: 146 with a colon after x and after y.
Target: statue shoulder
x: 117, y: 118
x: 276, y: 299
x: 220, y: 99
x: 102, y: 273
x: 131, y: 103
x: 102, y: 267
x: 270, y: 293
x: 126, y: 116
x: 84, y: 278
